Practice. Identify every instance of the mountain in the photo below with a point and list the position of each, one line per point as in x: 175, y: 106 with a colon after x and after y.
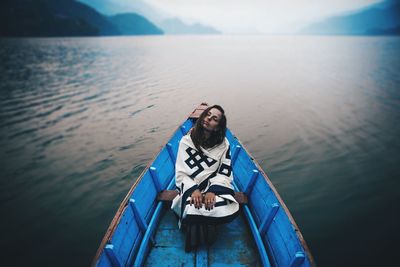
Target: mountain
x: 176, y: 26
x: 105, y: 7
x: 162, y: 19
x: 142, y: 26
x: 387, y: 31
x: 377, y: 19
x: 113, y: 7
x: 76, y: 10
x: 41, y: 18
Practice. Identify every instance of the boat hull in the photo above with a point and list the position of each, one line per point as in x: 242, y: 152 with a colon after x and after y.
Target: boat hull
x: 129, y: 241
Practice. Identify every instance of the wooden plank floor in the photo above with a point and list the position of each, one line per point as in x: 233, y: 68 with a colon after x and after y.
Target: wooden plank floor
x: 234, y: 246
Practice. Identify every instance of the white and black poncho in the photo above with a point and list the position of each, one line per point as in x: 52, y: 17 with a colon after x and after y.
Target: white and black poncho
x: 209, y: 171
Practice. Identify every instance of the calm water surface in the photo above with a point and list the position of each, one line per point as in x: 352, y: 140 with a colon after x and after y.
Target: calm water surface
x: 81, y: 117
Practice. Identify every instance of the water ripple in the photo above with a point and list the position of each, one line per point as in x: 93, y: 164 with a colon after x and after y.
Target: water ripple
x: 140, y: 110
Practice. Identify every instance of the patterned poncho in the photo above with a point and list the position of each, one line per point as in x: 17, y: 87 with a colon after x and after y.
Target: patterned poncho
x: 208, y: 170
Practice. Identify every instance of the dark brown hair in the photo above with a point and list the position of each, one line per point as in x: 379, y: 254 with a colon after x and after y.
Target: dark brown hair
x: 216, y: 137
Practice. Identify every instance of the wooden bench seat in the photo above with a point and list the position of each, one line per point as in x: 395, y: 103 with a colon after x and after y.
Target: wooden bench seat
x: 169, y: 195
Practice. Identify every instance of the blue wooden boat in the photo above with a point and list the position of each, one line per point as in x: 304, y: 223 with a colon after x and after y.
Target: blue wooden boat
x: 144, y: 231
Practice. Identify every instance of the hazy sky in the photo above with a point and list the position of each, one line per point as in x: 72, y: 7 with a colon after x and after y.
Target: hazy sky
x: 251, y: 16
x: 273, y: 16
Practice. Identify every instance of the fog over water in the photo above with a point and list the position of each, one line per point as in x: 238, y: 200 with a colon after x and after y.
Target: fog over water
x: 80, y: 118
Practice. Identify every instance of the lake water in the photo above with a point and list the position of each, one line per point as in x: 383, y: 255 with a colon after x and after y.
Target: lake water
x: 81, y: 117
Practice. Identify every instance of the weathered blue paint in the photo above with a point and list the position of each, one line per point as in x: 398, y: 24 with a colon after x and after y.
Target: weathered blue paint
x: 252, y: 181
x: 170, y: 243
x: 183, y: 129
x: 140, y: 258
x: 171, y: 152
x: 148, y: 236
x: 268, y: 219
x: 257, y: 238
x: 298, y: 259
x: 155, y: 178
x: 256, y: 234
x: 140, y: 221
x: 277, y: 239
x: 234, y: 246
x: 202, y: 256
x: 111, y: 255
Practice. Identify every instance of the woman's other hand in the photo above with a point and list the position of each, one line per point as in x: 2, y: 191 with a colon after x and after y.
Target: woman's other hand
x: 196, y: 198
x: 209, y: 200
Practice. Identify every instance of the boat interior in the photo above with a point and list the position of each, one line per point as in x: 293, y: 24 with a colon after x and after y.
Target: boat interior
x: 233, y: 245
x: 145, y: 230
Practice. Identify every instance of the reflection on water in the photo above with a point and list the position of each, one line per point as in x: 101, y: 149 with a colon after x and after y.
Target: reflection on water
x: 81, y: 117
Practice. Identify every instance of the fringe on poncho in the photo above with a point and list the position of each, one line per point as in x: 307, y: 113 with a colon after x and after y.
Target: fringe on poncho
x: 208, y: 170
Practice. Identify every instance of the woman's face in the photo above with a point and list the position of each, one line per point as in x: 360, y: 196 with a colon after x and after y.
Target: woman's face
x: 212, y: 119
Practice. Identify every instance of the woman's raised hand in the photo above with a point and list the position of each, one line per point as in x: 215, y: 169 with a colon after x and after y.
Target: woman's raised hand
x: 196, y: 198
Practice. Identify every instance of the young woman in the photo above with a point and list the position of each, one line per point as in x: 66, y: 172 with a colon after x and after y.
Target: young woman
x: 204, y: 174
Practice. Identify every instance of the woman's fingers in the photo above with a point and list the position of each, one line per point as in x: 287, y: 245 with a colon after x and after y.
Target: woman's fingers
x: 196, y: 198
x: 209, y: 202
x: 197, y: 202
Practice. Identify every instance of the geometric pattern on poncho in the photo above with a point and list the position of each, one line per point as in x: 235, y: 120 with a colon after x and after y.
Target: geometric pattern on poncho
x: 225, y: 169
x: 195, y: 159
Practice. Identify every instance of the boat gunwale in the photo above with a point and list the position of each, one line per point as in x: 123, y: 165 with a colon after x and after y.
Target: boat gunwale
x: 282, y: 203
